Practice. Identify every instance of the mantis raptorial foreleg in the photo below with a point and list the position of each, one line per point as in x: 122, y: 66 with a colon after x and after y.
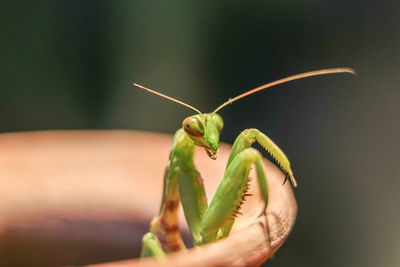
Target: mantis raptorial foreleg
x: 205, y: 223
x: 230, y: 195
x: 232, y: 191
x: 183, y: 184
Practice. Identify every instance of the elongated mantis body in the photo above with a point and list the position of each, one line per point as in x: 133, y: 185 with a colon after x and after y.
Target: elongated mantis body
x: 183, y: 183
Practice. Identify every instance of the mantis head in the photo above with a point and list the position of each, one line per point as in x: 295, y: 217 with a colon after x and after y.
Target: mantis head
x: 204, y: 130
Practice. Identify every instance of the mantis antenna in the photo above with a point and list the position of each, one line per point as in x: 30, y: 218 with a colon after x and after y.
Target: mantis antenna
x: 285, y: 80
x: 167, y: 97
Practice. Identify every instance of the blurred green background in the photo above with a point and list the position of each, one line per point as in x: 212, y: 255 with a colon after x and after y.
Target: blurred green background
x: 70, y: 65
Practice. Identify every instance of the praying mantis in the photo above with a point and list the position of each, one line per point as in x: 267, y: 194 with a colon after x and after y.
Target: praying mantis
x: 184, y: 185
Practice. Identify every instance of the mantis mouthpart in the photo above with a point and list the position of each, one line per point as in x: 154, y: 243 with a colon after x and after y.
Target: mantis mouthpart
x: 184, y: 185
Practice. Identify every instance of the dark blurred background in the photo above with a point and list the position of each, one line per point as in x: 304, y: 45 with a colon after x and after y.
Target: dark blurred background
x: 70, y: 65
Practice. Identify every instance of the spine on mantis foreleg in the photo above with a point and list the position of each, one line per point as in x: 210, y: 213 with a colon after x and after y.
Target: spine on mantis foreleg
x: 249, y: 136
x: 232, y: 192
x: 262, y: 184
x: 276, y: 153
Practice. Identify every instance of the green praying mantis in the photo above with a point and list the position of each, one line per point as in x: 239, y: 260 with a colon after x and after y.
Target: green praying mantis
x: 183, y: 183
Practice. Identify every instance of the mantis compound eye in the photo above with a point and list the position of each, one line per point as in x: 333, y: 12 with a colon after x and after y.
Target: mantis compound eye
x: 218, y: 122
x: 193, y: 126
